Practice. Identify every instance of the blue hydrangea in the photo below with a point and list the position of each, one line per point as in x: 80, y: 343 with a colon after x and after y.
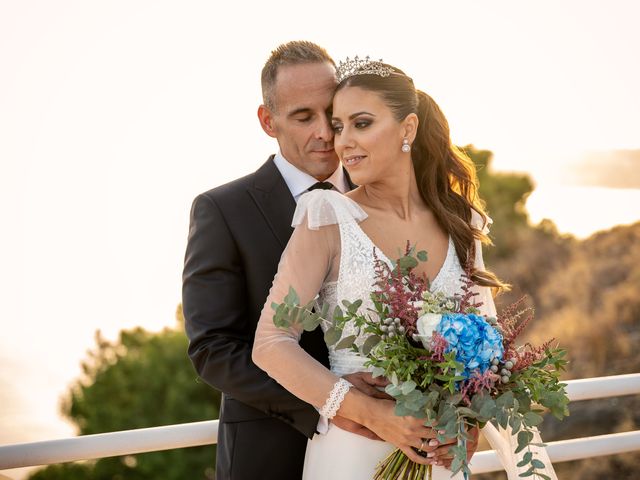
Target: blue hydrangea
x: 475, y: 341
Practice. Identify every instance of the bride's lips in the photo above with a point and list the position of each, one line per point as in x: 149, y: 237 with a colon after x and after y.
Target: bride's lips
x: 353, y: 160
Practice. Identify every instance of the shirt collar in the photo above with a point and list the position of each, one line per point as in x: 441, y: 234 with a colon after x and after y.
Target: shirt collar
x: 299, y: 181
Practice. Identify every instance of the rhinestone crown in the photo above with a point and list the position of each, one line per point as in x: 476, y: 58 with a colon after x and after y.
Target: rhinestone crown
x: 358, y: 66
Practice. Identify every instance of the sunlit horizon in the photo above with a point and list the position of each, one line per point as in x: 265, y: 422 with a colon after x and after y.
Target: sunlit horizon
x: 113, y: 116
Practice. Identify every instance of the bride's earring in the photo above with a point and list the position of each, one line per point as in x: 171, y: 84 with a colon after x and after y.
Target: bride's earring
x: 406, y: 148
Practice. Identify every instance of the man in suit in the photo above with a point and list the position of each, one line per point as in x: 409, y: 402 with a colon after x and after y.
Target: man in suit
x: 236, y: 237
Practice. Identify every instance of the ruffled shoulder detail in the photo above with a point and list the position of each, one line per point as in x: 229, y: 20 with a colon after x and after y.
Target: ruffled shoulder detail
x: 326, y: 207
x: 478, y: 222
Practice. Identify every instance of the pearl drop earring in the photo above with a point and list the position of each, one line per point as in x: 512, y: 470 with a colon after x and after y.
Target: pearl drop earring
x: 406, y: 148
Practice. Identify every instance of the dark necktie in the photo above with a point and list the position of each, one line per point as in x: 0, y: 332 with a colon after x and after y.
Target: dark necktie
x: 321, y: 186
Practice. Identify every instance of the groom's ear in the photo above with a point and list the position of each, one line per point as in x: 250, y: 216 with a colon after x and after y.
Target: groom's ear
x: 266, y: 120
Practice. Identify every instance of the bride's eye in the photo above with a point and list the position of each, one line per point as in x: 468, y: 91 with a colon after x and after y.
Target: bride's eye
x: 362, y: 123
x: 337, y: 128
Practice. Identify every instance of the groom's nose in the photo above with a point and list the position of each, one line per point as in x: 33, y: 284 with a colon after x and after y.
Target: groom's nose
x: 324, y: 131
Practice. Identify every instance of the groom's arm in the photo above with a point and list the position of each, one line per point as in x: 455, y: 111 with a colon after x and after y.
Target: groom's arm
x: 215, y: 305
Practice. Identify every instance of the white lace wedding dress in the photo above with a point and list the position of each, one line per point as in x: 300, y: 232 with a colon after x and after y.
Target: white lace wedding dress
x: 330, y: 256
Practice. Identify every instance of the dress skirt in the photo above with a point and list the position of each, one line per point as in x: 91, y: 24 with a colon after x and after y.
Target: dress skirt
x: 341, y: 455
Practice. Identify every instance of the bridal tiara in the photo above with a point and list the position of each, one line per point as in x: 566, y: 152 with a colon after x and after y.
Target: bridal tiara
x: 357, y: 66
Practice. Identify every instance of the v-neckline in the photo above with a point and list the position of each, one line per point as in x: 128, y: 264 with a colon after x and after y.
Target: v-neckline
x: 386, y: 258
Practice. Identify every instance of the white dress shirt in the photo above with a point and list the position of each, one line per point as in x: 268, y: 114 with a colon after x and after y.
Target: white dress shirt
x: 299, y: 181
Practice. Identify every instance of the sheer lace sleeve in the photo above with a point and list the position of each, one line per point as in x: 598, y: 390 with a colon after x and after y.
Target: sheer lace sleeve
x: 310, y: 259
x: 485, y: 296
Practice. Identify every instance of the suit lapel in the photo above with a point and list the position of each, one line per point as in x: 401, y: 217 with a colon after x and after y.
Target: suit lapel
x: 274, y: 200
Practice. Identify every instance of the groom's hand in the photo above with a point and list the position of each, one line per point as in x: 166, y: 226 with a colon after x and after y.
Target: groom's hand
x: 472, y: 443
x: 353, y: 427
x: 366, y: 383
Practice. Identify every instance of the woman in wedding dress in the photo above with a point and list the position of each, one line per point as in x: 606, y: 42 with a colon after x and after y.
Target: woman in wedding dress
x: 414, y: 186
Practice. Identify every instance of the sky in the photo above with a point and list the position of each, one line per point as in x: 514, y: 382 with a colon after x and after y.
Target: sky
x: 114, y: 115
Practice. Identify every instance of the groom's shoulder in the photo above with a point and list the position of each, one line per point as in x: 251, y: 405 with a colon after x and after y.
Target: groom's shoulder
x: 230, y: 189
x: 236, y: 190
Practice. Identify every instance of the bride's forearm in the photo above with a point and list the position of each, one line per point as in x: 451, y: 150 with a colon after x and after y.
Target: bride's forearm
x: 297, y: 371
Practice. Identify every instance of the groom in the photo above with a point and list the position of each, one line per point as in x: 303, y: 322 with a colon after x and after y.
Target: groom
x: 236, y: 236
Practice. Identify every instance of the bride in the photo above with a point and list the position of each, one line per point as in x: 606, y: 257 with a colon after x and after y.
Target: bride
x: 414, y: 185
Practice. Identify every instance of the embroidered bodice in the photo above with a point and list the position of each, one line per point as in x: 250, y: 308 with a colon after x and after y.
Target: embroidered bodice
x: 356, y: 273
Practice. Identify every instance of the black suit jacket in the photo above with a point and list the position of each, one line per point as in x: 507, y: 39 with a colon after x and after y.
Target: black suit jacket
x: 236, y: 236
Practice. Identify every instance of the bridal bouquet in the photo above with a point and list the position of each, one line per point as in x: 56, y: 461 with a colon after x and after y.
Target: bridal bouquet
x: 446, y: 362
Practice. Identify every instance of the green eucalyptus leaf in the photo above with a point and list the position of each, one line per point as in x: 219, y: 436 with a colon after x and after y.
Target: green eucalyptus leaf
x: 505, y: 400
x: 311, y: 321
x: 456, y: 465
x: 531, y: 419
x: 346, y: 342
x: 407, y: 263
x: 369, y: 344
x: 515, y: 422
x: 408, y: 387
x: 524, y: 438
x: 525, y: 459
x: 292, y: 298
x: 488, y: 407
x: 467, y: 412
x: 393, y: 390
x: 502, y: 417
x: 528, y: 473
x: 353, y: 308
x: 422, y: 255
x: 535, y: 463
x: 332, y: 335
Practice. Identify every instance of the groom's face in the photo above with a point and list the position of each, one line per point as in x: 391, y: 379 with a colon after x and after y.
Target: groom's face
x: 300, y: 119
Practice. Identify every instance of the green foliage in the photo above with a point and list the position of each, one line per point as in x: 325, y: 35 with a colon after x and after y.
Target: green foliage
x: 505, y: 195
x: 143, y: 379
x: 67, y: 471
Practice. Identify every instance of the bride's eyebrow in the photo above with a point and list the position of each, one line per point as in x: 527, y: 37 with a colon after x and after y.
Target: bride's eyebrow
x: 352, y: 116
x: 357, y: 114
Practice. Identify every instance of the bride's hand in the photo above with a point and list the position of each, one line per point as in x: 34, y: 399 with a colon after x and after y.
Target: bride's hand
x: 441, y: 455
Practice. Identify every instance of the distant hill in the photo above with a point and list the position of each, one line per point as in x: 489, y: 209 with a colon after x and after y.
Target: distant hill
x: 612, y: 168
x: 586, y: 294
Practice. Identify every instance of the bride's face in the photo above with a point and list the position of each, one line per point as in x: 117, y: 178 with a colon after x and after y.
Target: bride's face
x: 368, y: 138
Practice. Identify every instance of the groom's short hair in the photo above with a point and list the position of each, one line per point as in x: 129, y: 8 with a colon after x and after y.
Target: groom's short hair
x: 291, y: 53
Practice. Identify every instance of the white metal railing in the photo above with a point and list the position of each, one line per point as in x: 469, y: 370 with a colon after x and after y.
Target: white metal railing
x: 205, y: 433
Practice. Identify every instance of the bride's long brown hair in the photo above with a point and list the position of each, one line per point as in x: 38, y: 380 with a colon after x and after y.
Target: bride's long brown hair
x: 446, y: 177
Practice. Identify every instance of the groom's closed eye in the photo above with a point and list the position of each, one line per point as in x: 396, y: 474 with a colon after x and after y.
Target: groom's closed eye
x: 302, y: 115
